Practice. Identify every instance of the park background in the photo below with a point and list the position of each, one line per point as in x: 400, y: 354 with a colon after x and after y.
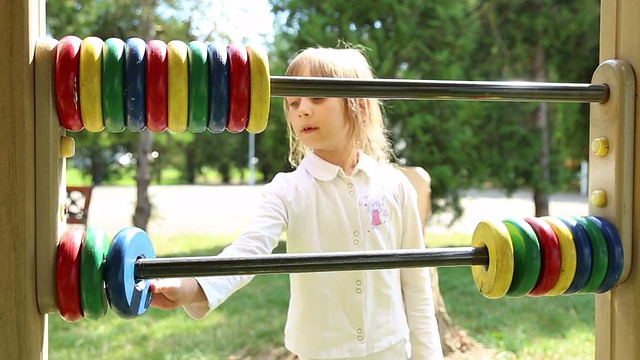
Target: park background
x: 529, y: 153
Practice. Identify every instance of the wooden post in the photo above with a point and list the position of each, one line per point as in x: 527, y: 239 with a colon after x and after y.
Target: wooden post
x: 618, y: 312
x: 23, y: 330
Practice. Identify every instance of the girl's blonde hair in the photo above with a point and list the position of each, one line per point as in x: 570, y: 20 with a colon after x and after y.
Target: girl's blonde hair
x: 367, y: 127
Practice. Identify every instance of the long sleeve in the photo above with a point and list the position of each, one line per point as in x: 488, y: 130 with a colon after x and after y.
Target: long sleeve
x: 416, y: 289
x: 261, y: 237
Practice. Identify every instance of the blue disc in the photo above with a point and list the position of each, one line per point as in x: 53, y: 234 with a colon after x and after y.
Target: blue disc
x: 219, y: 70
x: 584, y: 254
x: 135, y: 84
x: 616, y: 253
x: 129, y: 297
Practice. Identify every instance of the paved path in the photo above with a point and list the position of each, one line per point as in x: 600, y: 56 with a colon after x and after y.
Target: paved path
x: 220, y: 209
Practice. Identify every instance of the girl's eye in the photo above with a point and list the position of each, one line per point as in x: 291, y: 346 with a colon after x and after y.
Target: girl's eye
x: 293, y: 104
x: 317, y: 100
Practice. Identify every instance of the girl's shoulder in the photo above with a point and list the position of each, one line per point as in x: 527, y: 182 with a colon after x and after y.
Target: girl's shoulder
x: 286, y: 181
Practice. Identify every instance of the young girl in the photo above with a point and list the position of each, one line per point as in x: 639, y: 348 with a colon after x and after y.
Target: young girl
x: 343, y: 196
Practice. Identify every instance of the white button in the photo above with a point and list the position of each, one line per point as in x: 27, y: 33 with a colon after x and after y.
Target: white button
x: 360, y: 338
x: 356, y: 242
x: 351, y: 193
x: 350, y: 185
x: 356, y: 233
x: 358, y: 282
x: 359, y: 331
x: 358, y: 290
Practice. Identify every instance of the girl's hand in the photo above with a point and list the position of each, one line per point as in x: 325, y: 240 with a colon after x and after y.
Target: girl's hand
x: 172, y: 293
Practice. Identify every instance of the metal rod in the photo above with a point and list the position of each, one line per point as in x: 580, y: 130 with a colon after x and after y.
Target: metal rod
x: 301, y: 263
x: 514, y: 91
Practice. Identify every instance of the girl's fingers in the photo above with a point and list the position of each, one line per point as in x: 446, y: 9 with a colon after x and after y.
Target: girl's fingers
x: 160, y: 301
x: 165, y: 285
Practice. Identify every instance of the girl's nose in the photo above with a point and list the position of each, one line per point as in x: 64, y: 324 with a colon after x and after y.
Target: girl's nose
x: 304, y: 109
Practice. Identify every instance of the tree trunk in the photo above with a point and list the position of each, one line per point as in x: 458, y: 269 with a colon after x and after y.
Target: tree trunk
x: 541, y: 188
x: 453, y: 339
x: 143, y: 179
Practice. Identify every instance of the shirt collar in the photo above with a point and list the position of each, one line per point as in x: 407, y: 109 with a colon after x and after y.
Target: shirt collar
x: 325, y: 171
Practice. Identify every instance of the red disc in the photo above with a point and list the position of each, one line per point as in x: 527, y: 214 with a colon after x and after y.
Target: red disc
x: 68, y: 82
x: 240, y: 88
x: 551, y: 259
x: 68, y: 274
x: 157, y: 86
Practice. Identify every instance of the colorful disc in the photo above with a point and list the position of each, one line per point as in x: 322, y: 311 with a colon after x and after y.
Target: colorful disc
x: 569, y: 258
x: 219, y: 88
x: 527, y: 261
x: 198, y: 87
x: 67, y: 82
x: 600, y: 255
x: 260, y: 90
x: 157, y: 83
x: 493, y: 281
x: 68, y: 274
x: 551, y: 258
x: 178, y: 86
x: 240, y: 94
x: 91, y: 83
x: 616, y: 253
x: 135, y: 84
x: 583, y: 255
x: 92, y: 258
x: 113, y: 85
x: 128, y: 296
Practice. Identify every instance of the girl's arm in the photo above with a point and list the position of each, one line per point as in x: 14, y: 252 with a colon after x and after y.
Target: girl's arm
x: 416, y: 287
x: 200, y: 295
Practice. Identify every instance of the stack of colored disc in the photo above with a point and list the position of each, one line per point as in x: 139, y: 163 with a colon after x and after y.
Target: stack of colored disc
x: 93, y: 275
x: 80, y: 276
x: 549, y: 256
x: 117, y: 85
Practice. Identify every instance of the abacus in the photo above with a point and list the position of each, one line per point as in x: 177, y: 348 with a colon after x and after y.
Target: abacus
x: 106, y: 85
x: 546, y: 256
x: 34, y: 219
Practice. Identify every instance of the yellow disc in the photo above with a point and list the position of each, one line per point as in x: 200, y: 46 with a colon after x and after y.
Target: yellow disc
x: 493, y: 280
x: 568, y: 255
x: 91, y: 83
x: 260, y: 90
x: 178, y: 86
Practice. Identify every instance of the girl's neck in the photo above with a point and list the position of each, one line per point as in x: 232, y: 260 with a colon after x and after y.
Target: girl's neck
x: 347, y: 160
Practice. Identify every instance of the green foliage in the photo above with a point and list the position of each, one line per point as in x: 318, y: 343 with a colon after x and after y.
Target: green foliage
x: 567, y: 33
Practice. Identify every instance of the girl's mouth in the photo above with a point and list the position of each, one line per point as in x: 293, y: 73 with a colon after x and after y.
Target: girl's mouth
x: 309, y: 129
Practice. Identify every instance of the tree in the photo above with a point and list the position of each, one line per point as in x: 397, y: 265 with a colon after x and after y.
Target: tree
x: 543, y: 40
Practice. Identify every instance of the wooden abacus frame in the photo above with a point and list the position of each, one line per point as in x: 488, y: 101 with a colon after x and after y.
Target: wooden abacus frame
x: 32, y: 188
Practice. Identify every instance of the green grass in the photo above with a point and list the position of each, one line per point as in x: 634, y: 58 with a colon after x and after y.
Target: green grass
x: 252, y: 320
x: 170, y: 176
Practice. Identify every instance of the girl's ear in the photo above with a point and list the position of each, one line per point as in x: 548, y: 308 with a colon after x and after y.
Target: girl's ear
x: 365, y: 107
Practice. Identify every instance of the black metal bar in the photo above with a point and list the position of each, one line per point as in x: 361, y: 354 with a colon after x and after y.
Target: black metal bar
x: 513, y: 91
x: 301, y: 263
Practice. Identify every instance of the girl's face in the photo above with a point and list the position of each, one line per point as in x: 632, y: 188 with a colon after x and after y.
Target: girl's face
x: 320, y: 123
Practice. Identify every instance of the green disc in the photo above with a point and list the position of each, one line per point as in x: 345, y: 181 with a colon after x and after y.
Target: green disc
x: 600, y: 255
x: 527, y: 257
x: 198, y: 87
x: 92, y: 258
x: 113, y: 85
